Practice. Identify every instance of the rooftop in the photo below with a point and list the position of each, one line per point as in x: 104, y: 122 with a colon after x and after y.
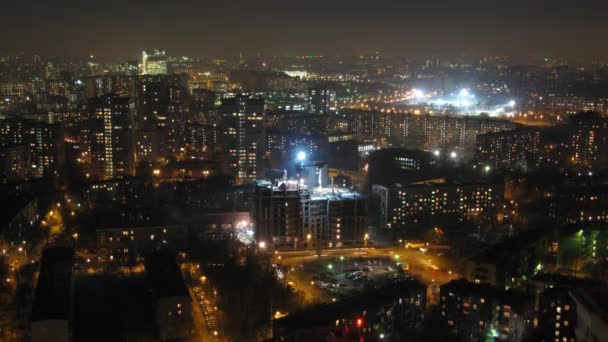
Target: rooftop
x: 52, y: 298
x: 164, y: 276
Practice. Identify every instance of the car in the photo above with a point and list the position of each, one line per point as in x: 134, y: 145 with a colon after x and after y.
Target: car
x: 354, y: 274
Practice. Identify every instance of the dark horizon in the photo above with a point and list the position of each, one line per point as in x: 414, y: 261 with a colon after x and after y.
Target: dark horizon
x: 559, y: 29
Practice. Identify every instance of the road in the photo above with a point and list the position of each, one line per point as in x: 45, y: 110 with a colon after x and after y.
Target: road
x: 202, y: 333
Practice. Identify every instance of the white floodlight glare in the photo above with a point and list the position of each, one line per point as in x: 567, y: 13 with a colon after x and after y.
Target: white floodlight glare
x: 301, y: 156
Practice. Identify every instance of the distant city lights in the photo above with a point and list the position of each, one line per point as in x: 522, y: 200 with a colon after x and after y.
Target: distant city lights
x: 463, y: 101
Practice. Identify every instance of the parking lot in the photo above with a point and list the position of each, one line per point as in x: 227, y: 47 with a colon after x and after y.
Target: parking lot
x: 333, y: 278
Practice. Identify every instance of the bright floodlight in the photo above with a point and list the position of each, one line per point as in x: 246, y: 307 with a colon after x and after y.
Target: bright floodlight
x: 453, y: 155
x: 512, y: 103
x: 418, y: 93
x: 436, y: 153
x: 464, y: 93
x: 301, y: 155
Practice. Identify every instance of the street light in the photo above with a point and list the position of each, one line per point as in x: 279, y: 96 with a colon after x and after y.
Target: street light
x: 262, y: 245
x: 365, y: 238
x: 308, y: 237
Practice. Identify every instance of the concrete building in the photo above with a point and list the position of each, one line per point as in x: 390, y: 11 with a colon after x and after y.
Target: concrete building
x: 437, y: 202
x: 386, y: 312
x: 244, y: 136
x: 476, y: 311
x: 52, y: 307
x: 509, y: 150
x: 111, y: 143
x: 154, y: 62
x: 44, y: 143
x: 592, y: 318
x: 321, y: 99
x: 588, y: 140
x: 172, y: 300
x: 288, y: 213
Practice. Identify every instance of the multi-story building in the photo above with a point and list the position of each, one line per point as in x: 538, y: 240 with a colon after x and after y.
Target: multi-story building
x: 277, y: 212
x: 52, y: 307
x: 201, y: 140
x: 588, y: 140
x: 111, y: 143
x: 98, y: 86
x: 172, y: 302
x: 335, y: 217
x: 567, y: 105
x: 15, y: 162
x: 244, y: 136
x: 556, y: 315
x: 154, y: 63
x: 396, y: 165
x: 508, y: 150
x: 340, y: 149
x: 591, y: 315
x: 442, y: 202
x: 44, y: 143
x: 321, y: 99
x: 290, y: 213
x: 394, y: 313
x: 424, y: 131
x: 579, y: 202
x: 476, y: 311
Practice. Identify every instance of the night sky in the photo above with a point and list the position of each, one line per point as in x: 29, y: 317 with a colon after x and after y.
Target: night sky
x: 569, y: 28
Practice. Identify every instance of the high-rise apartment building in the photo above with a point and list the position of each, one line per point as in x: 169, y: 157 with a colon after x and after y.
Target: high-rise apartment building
x: 508, y: 150
x: 321, y: 99
x: 154, y: 63
x: 43, y: 142
x: 588, y: 141
x: 111, y: 145
x: 244, y: 136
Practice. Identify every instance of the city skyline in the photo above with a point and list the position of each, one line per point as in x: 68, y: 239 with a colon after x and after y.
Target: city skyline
x: 272, y: 171
x: 67, y: 27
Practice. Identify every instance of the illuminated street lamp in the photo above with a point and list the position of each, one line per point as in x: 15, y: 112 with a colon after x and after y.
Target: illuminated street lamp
x: 262, y: 245
x: 365, y: 238
x: 308, y: 238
